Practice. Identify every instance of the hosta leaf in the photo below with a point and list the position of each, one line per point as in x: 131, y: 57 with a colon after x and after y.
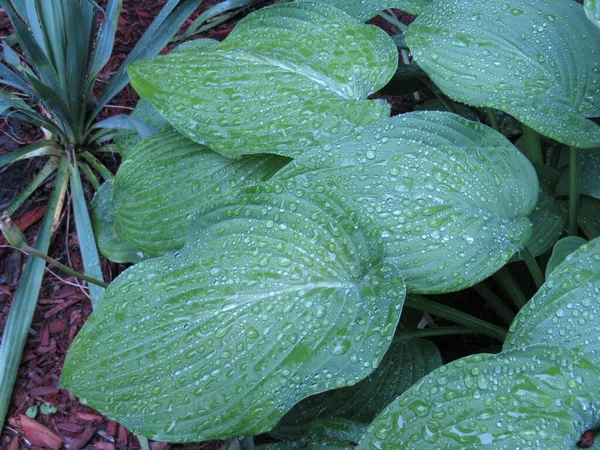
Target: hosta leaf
x: 287, y: 78
x: 406, y: 362
x: 566, y: 308
x: 167, y: 178
x: 331, y: 434
x: 589, y: 216
x: 592, y: 11
x: 367, y: 9
x: 269, y: 302
x: 589, y: 181
x: 538, y: 61
x: 110, y: 243
x: 561, y: 250
x: 450, y: 196
x: 549, y: 219
x: 539, y: 397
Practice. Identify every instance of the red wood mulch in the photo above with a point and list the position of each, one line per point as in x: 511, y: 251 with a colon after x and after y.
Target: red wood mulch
x: 64, y: 305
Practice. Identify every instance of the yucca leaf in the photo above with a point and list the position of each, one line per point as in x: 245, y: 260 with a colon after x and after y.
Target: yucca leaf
x: 28, y: 151
x: 106, y: 39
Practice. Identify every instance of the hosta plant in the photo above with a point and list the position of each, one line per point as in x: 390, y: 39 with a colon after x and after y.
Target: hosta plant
x: 292, y: 222
x: 49, y: 80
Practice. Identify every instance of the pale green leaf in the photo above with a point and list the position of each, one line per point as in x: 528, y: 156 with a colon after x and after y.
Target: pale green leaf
x: 268, y: 303
x: 561, y: 250
x: 110, y: 243
x: 450, y: 196
x: 566, y: 308
x: 405, y: 363
x: 287, y: 78
x: 167, y: 178
x: 589, y: 175
x: 538, y: 61
x: 592, y: 11
x: 367, y: 9
x: 542, y: 397
x: 589, y: 216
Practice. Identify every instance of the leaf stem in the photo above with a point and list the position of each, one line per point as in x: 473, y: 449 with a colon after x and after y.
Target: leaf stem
x: 431, y: 332
x: 441, y: 97
x: 247, y: 443
x: 492, y: 119
x: 574, y: 162
x: 495, y: 302
x: 420, y: 303
x: 96, y: 164
x: 510, y: 286
x: 533, y: 146
x: 533, y: 266
x: 402, y: 28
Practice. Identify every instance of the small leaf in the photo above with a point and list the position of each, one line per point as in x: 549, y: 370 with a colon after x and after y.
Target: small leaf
x: 592, y: 11
x: 450, y: 196
x: 167, y: 178
x: 526, y: 398
x: 589, y: 175
x: 110, y: 243
x: 524, y: 59
x: 405, y: 363
x: 31, y: 411
x: 561, y: 250
x: 272, y: 299
x: 47, y: 408
x: 287, y: 78
x: 566, y: 308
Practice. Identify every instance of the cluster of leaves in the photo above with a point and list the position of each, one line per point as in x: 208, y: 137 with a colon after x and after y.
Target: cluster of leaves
x: 286, y: 216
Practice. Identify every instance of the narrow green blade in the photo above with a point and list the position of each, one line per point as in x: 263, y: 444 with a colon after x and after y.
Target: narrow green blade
x: 25, y: 299
x: 85, y: 233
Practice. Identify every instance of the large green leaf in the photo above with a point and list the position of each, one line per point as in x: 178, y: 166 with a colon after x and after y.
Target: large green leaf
x: 542, y: 397
x: 566, y: 308
x: 538, y: 61
x: 330, y: 434
x: 561, y: 250
x: 406, y: 362
x: 167, y: 178
x: 268, y: 303
x: 450, y: 196
x: 589, y: 173
x: 592, y: 11
x: 287, y: 78
x: 367, y: 9
x: 110, y: 243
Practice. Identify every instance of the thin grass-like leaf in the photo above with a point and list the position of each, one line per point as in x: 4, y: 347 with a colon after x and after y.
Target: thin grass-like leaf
x: 29, y: 151
x: 39, y: 178
x: 158, y: 34
x: 25, y: 299
x: 212, y: 12
x: 85, y: 234
x: 106, y: 39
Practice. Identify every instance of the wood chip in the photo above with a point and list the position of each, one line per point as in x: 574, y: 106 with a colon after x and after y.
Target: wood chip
x: 82, y: 439
x: 36, y: 433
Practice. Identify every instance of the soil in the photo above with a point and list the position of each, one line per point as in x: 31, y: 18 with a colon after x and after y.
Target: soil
x: 64, y: 304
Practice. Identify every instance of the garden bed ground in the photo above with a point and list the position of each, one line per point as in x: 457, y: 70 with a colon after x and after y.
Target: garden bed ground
x: 64, y: 305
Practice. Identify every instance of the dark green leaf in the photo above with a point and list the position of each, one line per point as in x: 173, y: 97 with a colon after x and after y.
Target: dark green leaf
x: 589, y: 216
x: 538, y: 61
x: 561, y: 250
x: 287, y: 78
x: 541, y: 397
x: 589, y: 173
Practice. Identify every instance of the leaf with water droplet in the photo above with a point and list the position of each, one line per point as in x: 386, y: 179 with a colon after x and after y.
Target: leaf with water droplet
x: 406, y: 362
x: 367, y: 9
x: 561, y: 250
x: 331, y: 434
x: 288, y: 78
x: 280, y: 293
x: 539, y: 397
x: 592, y: 11
x: 167, y: 178
x: 450, y: 196
x: 110, y: 242
x: 526, y: 61
x: 566, y: 309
